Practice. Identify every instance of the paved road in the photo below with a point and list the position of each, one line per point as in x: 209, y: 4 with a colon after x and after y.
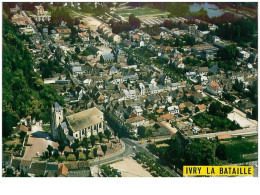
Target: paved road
x: 127, y: 152
x: 142, y: 148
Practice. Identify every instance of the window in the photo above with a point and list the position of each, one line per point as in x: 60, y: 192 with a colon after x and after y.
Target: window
x: 76, y: 135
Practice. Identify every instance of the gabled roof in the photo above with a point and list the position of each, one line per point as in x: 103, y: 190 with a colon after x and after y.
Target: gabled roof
x: 26, y: 163
x: 38, y: 168
x: 135, y: 119
x: 62, y: 170
x: 57, y: 107
x: 84, y: 119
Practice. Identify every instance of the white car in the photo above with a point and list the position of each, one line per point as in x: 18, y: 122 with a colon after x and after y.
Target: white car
x: 37, y: 153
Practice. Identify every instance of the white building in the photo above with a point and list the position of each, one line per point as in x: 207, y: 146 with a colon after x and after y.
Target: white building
x: 173, y: 110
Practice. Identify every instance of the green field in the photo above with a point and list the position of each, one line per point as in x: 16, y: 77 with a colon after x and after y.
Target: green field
x: 241, y: 150
x: 139, y: 12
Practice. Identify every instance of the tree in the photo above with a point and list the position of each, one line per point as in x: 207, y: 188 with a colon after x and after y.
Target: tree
x: 221, y: 152
x: 85, y: 142
x: 141, y: 131
x: 61, y: 148
x: 228, y: 53
x: 197, y: 109
x: 76, y: 153
x: 23, y: 174
x: 56, y: 154
x: 50, y: 148
x: 104, y: 149
x: 92, y: 140
x: 255, y: 113
x: 77, y: 50
x: 133, y: 21
x: 66, y: 154
x: 9, y: 172
x: 74, y: 147
x: 87, y: 154
x: 200, y: 152
x: 95, y: 152
x: 22, y: 135
x: 107, y: 134
x: 100, y: 135
x: 97, y: 38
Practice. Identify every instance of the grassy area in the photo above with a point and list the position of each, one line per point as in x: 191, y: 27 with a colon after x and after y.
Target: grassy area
x: 241, y: 150
x: 139, y: 12
x: 46, y: 128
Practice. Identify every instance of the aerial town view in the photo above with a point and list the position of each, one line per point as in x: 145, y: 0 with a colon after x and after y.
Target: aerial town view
x: 128, y: 89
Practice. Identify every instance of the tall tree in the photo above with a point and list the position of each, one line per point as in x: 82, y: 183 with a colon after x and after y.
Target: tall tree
x: 104, y: 149
x: 61, y: 148
x: 92, y: 140
x: 50, y: 148
x: 107, y: 134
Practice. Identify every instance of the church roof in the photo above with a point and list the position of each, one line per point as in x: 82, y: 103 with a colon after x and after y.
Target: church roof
x: 57, y: 107
x: 84, y: 119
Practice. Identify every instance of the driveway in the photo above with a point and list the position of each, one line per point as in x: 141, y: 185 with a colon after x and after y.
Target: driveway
x: 37, y: 137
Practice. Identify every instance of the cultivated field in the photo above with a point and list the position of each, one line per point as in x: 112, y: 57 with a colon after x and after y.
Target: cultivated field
x: 141, y: 12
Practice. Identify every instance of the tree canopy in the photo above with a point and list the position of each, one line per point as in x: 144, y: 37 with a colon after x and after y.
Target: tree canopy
x: 23, y: 90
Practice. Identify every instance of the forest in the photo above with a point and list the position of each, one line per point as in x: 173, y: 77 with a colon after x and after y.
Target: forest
x: 23, y: 90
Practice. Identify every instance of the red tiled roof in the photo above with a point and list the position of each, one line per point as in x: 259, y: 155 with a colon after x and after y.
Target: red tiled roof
x: 62, y: 170
x: 135, y: 119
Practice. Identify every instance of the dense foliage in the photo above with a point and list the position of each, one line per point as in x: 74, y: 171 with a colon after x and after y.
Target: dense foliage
x: 23, y: 91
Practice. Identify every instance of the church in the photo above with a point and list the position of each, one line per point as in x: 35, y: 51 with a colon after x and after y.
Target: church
x: 76, y: 126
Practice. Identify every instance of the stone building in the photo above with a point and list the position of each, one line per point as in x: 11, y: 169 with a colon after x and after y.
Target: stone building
x: 76, y: 126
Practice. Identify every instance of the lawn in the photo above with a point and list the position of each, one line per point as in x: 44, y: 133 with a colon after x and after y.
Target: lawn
x: 46, y: 128
x: 241, y: 151
x: 139, y: 12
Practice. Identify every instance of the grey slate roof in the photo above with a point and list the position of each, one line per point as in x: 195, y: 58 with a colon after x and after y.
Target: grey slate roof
x: 57, y: 107
x: 51, y: 167
x: 109, y: 56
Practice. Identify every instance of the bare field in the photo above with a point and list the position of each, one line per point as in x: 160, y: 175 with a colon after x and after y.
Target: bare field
x: 130, y: 168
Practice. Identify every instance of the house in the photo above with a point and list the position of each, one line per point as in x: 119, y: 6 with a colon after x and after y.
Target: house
x: 130, y: 94
x: 214, y: 88
x: 198, y: 49
x: 244, y: 54
x: 113, y: 70
x: 64, y: 31
x: 202, y: 107
x: 138, y: 110
x: 51, y: 170
x: 62, y: 170
x: 76, y: 126
x: 142, y: 89
x: 6, y: 160
x: 224, y: 137
x: 173, y: 110
x: 166, y: 117
x: 25, y: 165
x: 21, y: 128
x: 192, y: 28
x: 37, y: 169
x: 137, y: 121
x: 77, y: 70
x: 15, y: 163
x: 197, y: 88
x: 107, y: 58
x: 203, y: 70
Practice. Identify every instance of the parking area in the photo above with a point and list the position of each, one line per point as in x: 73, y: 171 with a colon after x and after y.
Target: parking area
x: 37, y: 142
x: 241, y: 120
